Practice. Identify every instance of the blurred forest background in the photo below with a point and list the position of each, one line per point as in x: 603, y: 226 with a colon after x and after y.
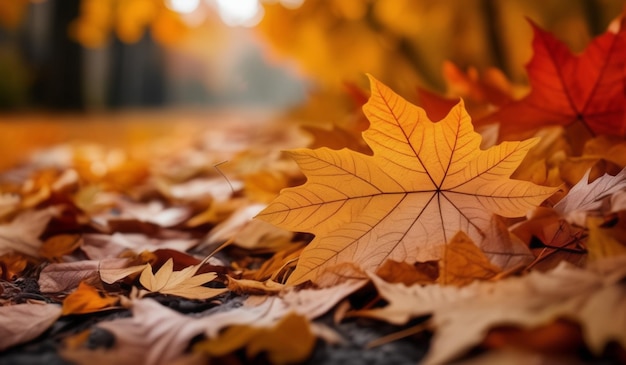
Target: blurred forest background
x: 81, y: 54
x: 103, y: 55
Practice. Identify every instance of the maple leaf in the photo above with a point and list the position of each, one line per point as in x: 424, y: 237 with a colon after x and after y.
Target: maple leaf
x: 183, y: 283
x: 566, y: 88
x: 425, y: 182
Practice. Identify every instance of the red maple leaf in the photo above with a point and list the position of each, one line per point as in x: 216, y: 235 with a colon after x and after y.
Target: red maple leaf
x: 566, y: 88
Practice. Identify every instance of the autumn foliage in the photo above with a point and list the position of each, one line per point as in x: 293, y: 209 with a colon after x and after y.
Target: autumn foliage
x: 472, y: 236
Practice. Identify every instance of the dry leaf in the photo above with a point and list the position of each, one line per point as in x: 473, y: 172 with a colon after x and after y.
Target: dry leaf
x: 463, y: 262
x: 503, y: 248
x: 22, y: 233
x: 155, y: 335
x: 183, y: 283
x: 113, y: 270
x: 153, y: 212
x: 12, y: 265
x: 605, y: 242
x: 87, y: 299
x: 102, y: 246
x: 289, y: 341
x: 23, y: 322
x: 463, y: 316
x: 55, y: 247
x: 59, y: 277
x: 587, y: 196
x: 425, y: 182
x: 407, y: 274
x: 254, y: 287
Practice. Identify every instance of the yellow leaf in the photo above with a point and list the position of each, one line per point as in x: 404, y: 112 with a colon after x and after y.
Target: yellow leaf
x: 425, y: 182
x: 183, y: 283
x: 463, y: 262
x: 86, y: 299
x: 289, y: 341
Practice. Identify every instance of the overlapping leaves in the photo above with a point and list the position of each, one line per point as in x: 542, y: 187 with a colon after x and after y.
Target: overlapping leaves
x: 425, y: 182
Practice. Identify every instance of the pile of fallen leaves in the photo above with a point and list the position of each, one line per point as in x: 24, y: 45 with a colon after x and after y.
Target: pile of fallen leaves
x: 499, y: 240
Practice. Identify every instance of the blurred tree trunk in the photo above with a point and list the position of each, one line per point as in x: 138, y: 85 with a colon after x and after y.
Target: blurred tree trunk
x: 136, y: 71
x: 59, y: 85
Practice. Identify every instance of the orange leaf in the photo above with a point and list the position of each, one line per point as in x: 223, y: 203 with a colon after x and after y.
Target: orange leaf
x: 402, y: 272
x: 289, y: 341
x: 60, y: 245
x: 566, y: 88
x: 425, y: 182
x: 463, y: 262
x: 87, y: 299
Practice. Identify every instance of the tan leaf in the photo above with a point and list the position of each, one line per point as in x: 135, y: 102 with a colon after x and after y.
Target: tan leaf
x: 425, y: 182
x: 587, y: 196
x: 23, y: 322
x: 183, y: 283
x: 22, y: 233
x: 463, y: 316
x: 103, y: 246
x: 114, y: 270
x: 154, y: 335
x: 254, y: 287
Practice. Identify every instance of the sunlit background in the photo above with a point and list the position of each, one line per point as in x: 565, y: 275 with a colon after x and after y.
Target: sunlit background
x: 93, y: 57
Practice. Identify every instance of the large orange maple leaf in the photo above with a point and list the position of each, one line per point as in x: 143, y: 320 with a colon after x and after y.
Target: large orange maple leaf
x: 424, y: 182
x: 566, y: 88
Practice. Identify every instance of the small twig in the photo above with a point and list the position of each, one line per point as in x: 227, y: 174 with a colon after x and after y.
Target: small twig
x: 399, y: 335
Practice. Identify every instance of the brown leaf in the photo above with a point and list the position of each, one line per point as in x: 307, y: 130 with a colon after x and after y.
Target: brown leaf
x: 12, y: 265
x: 59, y: 277
x: 559, y: 336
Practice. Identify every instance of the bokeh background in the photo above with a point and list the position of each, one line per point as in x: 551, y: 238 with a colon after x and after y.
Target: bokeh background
x: 74, y: 68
